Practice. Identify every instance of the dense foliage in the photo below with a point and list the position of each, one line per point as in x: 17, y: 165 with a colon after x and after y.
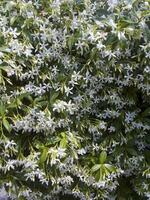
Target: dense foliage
x: 75, y: 99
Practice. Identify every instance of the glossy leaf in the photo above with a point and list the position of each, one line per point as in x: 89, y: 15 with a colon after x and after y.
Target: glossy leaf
x: 102, y: 157
x: 6, y: 124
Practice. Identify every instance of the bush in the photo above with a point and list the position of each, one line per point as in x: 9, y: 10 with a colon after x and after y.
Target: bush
x: 74, y: 108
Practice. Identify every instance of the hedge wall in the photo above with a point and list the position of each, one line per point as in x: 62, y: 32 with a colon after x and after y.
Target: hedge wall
x: 75, y: 99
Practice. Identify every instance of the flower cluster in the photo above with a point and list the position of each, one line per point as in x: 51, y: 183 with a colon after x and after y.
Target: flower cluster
x: 75, y: 99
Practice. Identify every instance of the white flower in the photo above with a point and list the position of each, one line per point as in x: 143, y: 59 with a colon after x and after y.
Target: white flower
x: 68, y: 90
x: 70, y: 107
x: 3, y: 193
x: 112, y: 23
x: 121, y: 35
x: 16, y: 47
x: 75, y: 23
x: 100, y: 184
x: 9, y: 165
x: 129, y: 117
x: 81, y: 151
x: 147, y: 69
x: 1, y: 54
x: 59, y: 106
x: 10, y: 144
x: 100, y: 46
x: 61, y: 152
x: 112, y: 3
x: 67, y: 180
x: 76, y: 76
x: 28, y: 52
x: 13, y: 32
x: 80, y: 46
x: 87, y: 77
x: 111, y: 129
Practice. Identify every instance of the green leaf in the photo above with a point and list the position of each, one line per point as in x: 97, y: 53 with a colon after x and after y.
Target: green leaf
x: 124, y: 23
x: 4, y: 49
x: 146, y: 172
x: 103, y: 156
x: 74, y: 154
x: 63, y: 142
x: 97, y: 175
x: 2, y: 109
x: 73, y: 140
x: 101, y: 173
x: 95, y: 167
x: 146, y: 112
x: 6, y: 124
x: 63, y: 134
x: 54, y: 97
x: 110, y: 168
x: 70, y: 42
x: 43, y: 155
x: 12, y: 20
x: 132, y: 152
